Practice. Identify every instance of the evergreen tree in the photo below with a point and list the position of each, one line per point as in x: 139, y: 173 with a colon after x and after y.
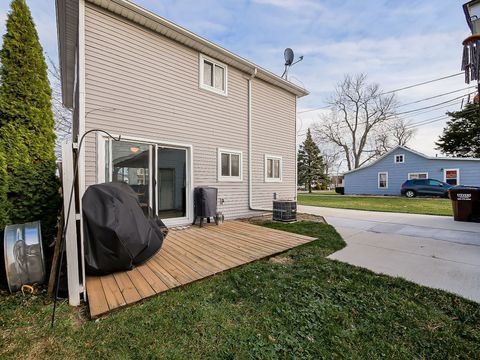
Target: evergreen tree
x: 311, y: 167
x: 26, y: 124
x: 461, y: 136
x: 3, y: 192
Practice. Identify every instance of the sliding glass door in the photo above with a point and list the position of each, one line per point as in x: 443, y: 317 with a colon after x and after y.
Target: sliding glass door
x: 171, y: 182
x: 158, y: 174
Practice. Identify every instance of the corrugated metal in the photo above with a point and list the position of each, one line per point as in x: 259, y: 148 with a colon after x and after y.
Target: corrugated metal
x: 365, y: 181
x: 152, y: 82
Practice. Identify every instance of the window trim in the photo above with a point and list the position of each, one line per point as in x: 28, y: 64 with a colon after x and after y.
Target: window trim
x: 378, y: 180
x: 202, y: 85
x: 399, y: 162
x: 273, y: 179
x: 416, y: 173
x: 220, y: 177
x: 445, y: 175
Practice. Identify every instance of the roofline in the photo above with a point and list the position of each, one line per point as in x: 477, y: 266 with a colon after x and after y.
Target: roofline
x: 414, y: 152
x: 148, y: 19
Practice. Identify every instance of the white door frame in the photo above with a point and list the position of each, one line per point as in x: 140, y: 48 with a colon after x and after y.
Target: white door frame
x: 101, y: 141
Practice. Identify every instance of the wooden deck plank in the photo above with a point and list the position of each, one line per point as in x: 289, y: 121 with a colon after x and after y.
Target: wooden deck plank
x: 143, y: 287
x: 209, y: 254
x: 189, y: 255
x: 112, y: 292
x: 256, y: 242
x: 218, y: 251
x: 202, y: 262
x: 155, y: 282
x: 163, y: 274
x: 96, y: 297
x: 128, y: 289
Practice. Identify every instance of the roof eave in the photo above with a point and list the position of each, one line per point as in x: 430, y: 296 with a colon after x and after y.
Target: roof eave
x: 169, y: 29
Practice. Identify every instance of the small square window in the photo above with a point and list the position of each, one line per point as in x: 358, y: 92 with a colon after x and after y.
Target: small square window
x: 399, y: 159
x: 273, y: 168
x: 213, y: 75
x: 230, y: 165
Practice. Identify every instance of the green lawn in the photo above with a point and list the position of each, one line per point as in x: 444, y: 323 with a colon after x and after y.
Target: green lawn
x: 392, y: 204
x: 305, y: 306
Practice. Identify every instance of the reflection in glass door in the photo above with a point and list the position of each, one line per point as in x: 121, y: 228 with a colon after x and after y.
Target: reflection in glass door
x: 130, y: 163
x: 171, y: 182
x: 158, y: 175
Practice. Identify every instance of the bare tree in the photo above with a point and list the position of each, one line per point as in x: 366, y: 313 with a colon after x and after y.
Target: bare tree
x: 392, y: 134
x: 359, y: 111
x: 61, y: 115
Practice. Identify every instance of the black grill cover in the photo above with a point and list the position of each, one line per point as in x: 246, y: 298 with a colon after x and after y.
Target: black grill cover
x: 117, y: 233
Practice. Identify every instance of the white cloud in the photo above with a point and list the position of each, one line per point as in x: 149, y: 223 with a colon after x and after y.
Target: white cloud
x: 292, y: 4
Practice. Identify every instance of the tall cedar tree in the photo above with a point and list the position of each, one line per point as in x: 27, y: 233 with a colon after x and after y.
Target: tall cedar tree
x: 3, y: 192
x: 311, y: 167
x: 26, y: 124
x: 461, y: 136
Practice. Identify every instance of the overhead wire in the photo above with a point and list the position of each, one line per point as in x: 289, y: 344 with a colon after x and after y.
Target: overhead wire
x: 393, y: 91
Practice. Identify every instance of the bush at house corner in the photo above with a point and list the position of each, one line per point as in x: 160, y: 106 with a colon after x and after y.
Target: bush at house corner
x: 27, y: 126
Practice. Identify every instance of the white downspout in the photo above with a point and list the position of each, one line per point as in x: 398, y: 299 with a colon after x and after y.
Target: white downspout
x: 250, y: 155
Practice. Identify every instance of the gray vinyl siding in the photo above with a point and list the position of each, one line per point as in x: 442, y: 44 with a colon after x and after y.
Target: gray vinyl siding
x: 153, y: 83
x: 365, y: 181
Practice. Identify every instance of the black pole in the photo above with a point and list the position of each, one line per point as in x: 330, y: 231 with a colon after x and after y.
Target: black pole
x: 62, y: 239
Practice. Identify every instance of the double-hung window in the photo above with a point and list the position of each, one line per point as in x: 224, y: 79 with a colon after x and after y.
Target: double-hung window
x: 399, y: 159
x: 213, y: 75
x: 229, y: 165
x: 383, y: 180
x: 273, y: 168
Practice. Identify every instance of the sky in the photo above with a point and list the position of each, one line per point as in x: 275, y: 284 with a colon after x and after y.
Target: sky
x: 395, y: 42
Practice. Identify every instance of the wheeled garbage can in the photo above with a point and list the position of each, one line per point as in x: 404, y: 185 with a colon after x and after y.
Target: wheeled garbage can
x: 465, y: 203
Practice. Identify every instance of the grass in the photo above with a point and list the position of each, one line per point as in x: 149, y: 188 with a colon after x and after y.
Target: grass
x: 377, y: 203
x: 305, y: 306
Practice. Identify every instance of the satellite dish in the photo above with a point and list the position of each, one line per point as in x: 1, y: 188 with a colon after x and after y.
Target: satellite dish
x: 288, y: 53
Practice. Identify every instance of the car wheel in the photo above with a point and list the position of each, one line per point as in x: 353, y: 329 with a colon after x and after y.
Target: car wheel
x: 410, y: 194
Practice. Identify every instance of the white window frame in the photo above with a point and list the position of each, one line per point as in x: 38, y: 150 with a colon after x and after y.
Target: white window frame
x: 399, y: 162
x: 202, y: 85
x: 273, y: 157
x: 220, y: 177
x: 378, y: 180
x: 416, y: 173
x: 445, y: 175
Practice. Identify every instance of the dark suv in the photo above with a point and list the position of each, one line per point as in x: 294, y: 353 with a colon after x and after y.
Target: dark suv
x: 425, y: 187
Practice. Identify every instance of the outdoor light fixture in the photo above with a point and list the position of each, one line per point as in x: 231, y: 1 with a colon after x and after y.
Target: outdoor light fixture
x: 472, y: 14
x: 134, y: 149
x: 471, y: 45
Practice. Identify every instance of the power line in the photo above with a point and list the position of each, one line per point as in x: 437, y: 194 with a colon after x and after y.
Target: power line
x: 436, y: 96
x: 435, y: 105
x: 423, y: 83
x: 427, y: 123
x: 393, y: 91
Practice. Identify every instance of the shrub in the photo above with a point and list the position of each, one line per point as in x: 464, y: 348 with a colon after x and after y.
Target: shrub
x: 27, y: 125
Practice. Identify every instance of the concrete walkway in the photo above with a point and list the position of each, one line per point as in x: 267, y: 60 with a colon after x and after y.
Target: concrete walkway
x: 434, y: 251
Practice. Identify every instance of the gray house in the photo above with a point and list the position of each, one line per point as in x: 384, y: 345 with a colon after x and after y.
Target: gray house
x: 190, y: 113
x: 386, y: 175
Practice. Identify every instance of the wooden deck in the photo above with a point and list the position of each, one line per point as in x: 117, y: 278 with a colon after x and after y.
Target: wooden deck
x: 186, y: 256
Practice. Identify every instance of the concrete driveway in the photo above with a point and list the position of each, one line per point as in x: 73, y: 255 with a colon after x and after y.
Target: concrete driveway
x: 434, y: 251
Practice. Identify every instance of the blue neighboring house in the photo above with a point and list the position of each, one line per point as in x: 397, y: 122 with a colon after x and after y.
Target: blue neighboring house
x: 386, y: 175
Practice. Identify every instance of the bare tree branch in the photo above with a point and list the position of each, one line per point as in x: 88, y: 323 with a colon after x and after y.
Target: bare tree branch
x: 61, y: 115
x: 361, y: 119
